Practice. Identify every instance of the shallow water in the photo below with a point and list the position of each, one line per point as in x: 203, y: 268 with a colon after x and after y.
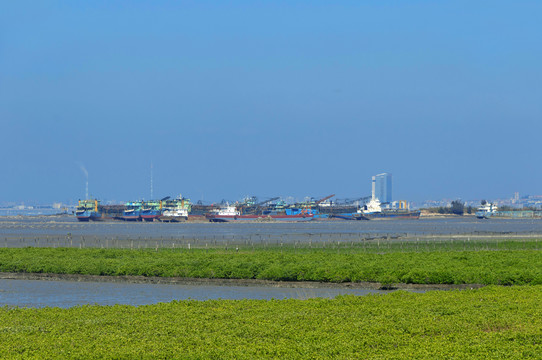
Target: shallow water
x: 64, y: 294
x: 40, y: 229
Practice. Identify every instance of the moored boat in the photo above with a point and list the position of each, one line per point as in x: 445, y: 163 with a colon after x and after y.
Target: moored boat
x: 290, y: 217
x: 230, y: 213
x: 175, y: 210
x: 290, y: 214
x: 348, y: 216
x: 395, y: 214
x: 485, y: 211
x: 132, y: 212
x: 88, y: 210
x: 151, y: 210
x: 373, y: 210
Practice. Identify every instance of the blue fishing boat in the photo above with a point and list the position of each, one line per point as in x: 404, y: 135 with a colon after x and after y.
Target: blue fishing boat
x: 88, y: 210
x: 132, y: 211
x: 151, y: 210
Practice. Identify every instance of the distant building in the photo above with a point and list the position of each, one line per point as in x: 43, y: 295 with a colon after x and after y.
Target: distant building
x: 383, y: 187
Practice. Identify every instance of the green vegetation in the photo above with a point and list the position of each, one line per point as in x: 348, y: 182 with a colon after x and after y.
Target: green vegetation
x: 512, y: 208
x: 492, y: 322
x: 459, y: 262
x: 457, y: 207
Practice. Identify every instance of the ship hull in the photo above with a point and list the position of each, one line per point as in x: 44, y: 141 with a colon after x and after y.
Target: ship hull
x: 337, y: 210
x: 394, y: 215
x: 485, y: 214
x: 277, y: 217
x: 173, y: 218
x: 298, y: 217
x: 150, y: 215
x: 89, y: 216
x: 133, y: 216
x: 229, y: 218
x: 351, y: 216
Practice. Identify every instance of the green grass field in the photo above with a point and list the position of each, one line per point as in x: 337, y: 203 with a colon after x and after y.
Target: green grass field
x: 494, y: 322
x: 505, y: 263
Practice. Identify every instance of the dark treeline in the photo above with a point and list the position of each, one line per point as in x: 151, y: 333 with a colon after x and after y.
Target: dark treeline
x: 457, y: 207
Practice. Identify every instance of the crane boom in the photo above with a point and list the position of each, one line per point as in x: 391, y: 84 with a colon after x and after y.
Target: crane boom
x: 254, y: 207
x: 324, y: 199
x: 266, y: 201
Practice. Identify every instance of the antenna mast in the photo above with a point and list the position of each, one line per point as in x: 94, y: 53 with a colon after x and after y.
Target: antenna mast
x: 152, y: 195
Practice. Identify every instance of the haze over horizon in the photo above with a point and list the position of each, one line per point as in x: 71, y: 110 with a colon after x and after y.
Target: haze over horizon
x: 228, y: 99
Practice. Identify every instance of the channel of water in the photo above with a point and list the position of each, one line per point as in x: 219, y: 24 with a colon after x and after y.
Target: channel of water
x: 64, y: 294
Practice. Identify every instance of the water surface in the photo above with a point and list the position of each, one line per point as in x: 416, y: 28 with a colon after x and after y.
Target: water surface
x: 41, y: 231
x: 64, y: 294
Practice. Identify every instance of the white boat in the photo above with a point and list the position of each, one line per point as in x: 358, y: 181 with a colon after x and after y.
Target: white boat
x: 224, y: 214
x: 371, y: 208
x: 176, y: 210
x: 486, y: 211
x: 230, y: 213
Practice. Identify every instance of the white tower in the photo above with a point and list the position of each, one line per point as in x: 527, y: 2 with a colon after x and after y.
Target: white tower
x: 373, y: 188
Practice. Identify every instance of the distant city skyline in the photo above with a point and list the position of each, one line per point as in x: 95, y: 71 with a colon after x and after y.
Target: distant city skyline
x: 228, y: 99
x: 384, y: 189
x: 515, y: 200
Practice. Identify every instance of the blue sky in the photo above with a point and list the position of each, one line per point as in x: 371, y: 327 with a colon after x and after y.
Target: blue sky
x: 292, y: 98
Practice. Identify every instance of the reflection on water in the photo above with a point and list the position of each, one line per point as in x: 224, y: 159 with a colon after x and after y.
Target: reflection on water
x: 64, y: 294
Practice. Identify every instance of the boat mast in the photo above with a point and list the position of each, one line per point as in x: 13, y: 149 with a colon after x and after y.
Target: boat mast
x: 152, y: 195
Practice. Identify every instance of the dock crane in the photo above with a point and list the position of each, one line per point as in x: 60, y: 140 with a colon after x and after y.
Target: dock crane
x: 323, y: 199
x: 267, y: 201
x: 244, y: 208
x: 311, y: 203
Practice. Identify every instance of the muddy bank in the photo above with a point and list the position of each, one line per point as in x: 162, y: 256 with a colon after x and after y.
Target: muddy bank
x: 233, y: 282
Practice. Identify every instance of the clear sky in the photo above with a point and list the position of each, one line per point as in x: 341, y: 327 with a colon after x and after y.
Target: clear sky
x: 269, y: 98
